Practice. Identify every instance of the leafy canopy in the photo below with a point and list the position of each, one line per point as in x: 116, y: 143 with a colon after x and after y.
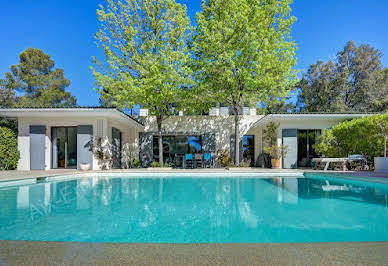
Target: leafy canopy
x: 146, y: 54
x: 9, y: 153
x: 358, y: 136
x: 244, y: 50
x: 353, y: 81
x: 39, y: 83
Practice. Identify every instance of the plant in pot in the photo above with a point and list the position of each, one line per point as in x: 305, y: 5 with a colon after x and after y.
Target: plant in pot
x: 276, y: 152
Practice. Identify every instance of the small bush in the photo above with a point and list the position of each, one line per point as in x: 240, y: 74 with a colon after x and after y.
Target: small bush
x: 155, y: 164
x: 223, y: 157
x: 133, y: 163
x: 245, y: 163
x: 366, y: 136
x: 9, y: 153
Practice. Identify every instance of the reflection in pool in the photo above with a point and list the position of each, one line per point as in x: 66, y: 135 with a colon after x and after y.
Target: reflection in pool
x: 195, y: 210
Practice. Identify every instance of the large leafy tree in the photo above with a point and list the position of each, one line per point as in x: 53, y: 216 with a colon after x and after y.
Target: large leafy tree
x: 39, y: 83
x: 146, y: 56
x: 353, y: 81
x: 244, y: 53
x: 7, y: 94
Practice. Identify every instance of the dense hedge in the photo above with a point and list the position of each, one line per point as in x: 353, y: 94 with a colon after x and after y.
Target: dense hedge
x: 358, y: 136
x: 9, y: 153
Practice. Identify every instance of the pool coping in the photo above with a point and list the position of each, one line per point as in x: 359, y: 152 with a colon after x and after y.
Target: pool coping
x: 336, y: 253
x: 202, y: 173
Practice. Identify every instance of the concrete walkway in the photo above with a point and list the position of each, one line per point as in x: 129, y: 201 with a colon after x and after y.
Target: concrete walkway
x: 72, y: 253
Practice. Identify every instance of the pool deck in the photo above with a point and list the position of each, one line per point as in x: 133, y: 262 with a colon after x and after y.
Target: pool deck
x: 18, y: 175
x: 65, y: 253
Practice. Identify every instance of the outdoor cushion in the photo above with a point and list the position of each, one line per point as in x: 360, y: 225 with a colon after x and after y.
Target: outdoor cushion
x: 189, y: 156
x: 207, y: 156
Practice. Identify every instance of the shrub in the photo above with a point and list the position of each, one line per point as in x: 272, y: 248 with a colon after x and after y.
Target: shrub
x: 223, y: 157
x: 270, y: 134
x: 133, y: 163
x: 358, y: 136
x: 155, y: 164
x: 9, y: 153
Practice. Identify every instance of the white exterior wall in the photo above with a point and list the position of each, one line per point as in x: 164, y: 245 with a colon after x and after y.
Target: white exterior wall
x: 102, y: 126
x: 304, y: 124
x: 222, y: 126
x: 129, y: 135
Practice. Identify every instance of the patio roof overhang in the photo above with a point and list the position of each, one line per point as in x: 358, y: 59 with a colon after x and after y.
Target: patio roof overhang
x: 308, y: 117
x: 71, y: 112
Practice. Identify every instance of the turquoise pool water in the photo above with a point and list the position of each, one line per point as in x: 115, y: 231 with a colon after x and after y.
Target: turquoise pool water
x: 195, y: 210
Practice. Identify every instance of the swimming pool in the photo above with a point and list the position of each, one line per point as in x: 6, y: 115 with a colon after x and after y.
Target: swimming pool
x: 165, y: 209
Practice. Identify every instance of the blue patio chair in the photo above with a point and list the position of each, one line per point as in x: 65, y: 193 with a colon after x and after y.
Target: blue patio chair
x: 189, y: 160
x: 207, y: 160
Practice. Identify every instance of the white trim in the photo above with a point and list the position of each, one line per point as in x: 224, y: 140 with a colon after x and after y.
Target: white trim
x: 296, y: 116
x: 68, y: 112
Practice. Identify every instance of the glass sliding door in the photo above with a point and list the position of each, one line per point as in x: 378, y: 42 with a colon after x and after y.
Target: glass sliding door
x: 306, y: 139
x: 176, y: 145
x: 64, y: 147
x: 71, y: 148
x: 248, y: 149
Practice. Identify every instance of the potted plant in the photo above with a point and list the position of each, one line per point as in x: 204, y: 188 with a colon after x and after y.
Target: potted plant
x: 84, y: 166
x: 276, y: 151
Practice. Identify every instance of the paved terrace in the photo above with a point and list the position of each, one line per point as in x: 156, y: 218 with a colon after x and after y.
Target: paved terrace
x: 71, y: 253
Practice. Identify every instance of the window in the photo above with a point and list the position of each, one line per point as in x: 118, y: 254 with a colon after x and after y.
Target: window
x: 176, y: 145
x: 248, y: 148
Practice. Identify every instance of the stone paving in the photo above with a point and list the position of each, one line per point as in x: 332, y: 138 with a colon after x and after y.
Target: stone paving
x: 72, y: 253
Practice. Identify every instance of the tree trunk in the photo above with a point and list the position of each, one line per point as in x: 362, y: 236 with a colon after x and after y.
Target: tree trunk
x: 385, y: 146
x: 237, y: 138
x: 160, y: 140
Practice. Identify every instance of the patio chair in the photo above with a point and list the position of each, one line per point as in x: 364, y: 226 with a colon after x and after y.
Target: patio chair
x: 179, y: 161
x: 198, y: 160
x: 208, y: 160
x: 189, y: 160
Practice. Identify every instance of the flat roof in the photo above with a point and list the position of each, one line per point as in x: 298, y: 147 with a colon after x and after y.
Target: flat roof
x: 308, y: 116
x: 69, y: 111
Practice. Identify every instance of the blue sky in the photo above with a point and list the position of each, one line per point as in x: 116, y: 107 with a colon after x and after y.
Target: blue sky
x: 65, y: 30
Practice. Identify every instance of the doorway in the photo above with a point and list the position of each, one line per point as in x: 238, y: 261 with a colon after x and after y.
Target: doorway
x: 248, y: 149
x: 306, y: 152
x: 64, y: 147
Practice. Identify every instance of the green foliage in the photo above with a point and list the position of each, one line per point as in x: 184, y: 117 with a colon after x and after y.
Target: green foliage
x: 7, y: 94
x: 276, y: 151
x: 155, y: 164
x: 270, y: 134
x: 358, y: 136
x: 353, y: 81
x: 243, y: 163
x: 145, y: 46
x: 38, y: 81
x: 223, y: 157
x: 133, y: 163
x: 244, y: 52
x: 9, y: 153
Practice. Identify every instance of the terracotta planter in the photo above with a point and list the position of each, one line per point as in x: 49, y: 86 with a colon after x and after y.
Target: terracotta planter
x: 275, y: 163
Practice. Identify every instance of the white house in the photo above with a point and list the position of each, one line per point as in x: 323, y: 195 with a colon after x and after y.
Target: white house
x: 51, y: 138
